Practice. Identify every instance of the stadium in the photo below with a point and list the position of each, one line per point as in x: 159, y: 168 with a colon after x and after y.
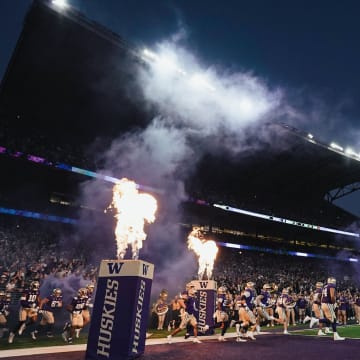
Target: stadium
x: 67, y: 113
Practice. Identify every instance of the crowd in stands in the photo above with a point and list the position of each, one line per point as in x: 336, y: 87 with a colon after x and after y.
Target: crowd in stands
x: 29, y: 250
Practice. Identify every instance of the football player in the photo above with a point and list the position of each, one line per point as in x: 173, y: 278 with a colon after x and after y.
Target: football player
x: 86, y: 310
x: 328, y: 304
x: 262, y: 303
x: 247, y: 320
x: 5, y: 299
x: 187, y: 315
x: 221, y: 317
x: 75, y: 309
x: 47, y: 308
x: 316, y: 308
x: 28, y: 313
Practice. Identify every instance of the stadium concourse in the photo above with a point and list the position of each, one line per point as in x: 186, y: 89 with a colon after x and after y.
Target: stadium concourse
x: 266, y: 347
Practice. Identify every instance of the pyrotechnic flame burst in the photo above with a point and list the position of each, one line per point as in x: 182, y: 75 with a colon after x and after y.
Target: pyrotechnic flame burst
x: 206, y: 250
x: 133, y: 209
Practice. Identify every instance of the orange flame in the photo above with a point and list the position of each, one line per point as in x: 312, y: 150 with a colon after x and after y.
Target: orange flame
x: 133, y: 209
x: 206, y: 250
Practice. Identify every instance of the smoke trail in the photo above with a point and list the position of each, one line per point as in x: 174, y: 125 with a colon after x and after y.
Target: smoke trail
x: 197, y: 111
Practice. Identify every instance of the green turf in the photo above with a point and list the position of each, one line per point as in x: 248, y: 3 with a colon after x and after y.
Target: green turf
x: 349, y: 331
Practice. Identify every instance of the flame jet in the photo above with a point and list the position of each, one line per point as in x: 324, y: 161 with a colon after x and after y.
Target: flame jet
x: 206, y: 250
x: 133, y: 209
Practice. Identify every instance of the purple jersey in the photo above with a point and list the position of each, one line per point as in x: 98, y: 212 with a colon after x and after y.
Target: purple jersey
x: 190, y: 304
x: 266, y: 298
x: 30, y: 299
x: 326, y: 298
x: 78, y: 304
x: 250, y: 296
x: 221, y: 299
x: 54, y: 302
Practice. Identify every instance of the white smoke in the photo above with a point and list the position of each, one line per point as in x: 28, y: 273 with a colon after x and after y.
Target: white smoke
x: 199, y: 109
x: 204, y: 99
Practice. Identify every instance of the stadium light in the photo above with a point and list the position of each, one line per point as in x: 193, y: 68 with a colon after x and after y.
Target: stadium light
x: 164, y: 62
x: 336, y: 146
x: 301, y: 254
x: 60, y: 3
x: 351, y: 152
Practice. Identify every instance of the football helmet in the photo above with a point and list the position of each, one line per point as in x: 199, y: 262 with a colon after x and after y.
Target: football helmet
x: 250, y: 284
x: 331, y: 280
x: 266, y: 287
x: 222, y: 290
x: 90, y: 288
x: 35, y: 285
x: 57, y: 292
x: 319, y: 284
x: 163, y: 294
x: 82, y: 292
x: 190, y: 287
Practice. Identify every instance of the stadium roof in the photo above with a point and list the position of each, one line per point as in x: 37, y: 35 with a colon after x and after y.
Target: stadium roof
x: 60, y: 82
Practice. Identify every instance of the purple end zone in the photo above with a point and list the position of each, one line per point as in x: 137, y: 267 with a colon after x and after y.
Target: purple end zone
x: 266, y: 347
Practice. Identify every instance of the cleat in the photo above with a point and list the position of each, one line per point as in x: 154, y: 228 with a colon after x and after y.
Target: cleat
x: 66, y: 326
x: 169, y: 339
x: 70, y: 340
x: 232, y: 323
x: 328, y: 331
x: 321, y: 333
x: 63, y: 335
x: 11, y: 338
x: 307, y: 318
x: 338, y: 337
x: 250, y: 335
x: 196, y: 341
x: 286, y: 332
x: 33, y: 335
x: 187, y: 335
x: 239, y: 339
x: 313, y: 321
x: 22, y: 328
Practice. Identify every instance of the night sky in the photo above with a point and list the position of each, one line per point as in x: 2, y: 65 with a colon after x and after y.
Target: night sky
x: 309, y: 49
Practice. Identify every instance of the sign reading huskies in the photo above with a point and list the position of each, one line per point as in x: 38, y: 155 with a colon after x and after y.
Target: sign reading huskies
x: 121, y: 308
x: 206, y: 294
